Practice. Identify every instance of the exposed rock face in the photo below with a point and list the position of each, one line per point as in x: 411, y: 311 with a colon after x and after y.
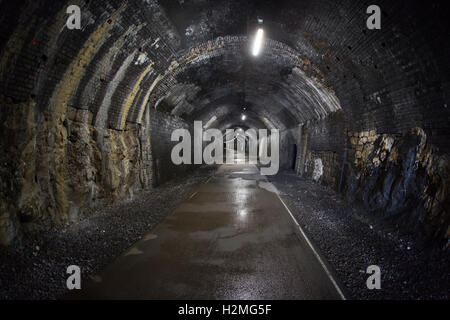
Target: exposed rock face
x: 17, y: 197
x: 54, y: 170
x: 403, y: 178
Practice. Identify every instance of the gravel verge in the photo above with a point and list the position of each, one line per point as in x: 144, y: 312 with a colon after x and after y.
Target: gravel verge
x: 34, y: 267
x: 351, y: 240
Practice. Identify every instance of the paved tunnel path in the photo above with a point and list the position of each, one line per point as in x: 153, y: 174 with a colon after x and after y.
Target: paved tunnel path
x: 232, y: 239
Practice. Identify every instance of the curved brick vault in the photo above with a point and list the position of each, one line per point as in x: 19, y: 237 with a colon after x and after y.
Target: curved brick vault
x: 85, y: 112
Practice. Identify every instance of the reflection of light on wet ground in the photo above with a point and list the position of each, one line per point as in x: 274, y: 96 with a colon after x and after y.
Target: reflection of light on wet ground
x: 236, y: 157
x: 242, y: 212
x: 233, y: 237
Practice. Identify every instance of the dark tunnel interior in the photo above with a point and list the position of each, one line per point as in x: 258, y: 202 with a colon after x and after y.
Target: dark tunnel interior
x: 87, y: 115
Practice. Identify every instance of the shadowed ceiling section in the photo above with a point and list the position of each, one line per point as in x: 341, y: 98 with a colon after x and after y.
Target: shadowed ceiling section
x: 182, y: 56
x: 221, y: 73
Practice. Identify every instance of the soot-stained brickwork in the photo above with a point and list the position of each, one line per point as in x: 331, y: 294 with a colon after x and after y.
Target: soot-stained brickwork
x: 161, y: 128
x: 333, y: 87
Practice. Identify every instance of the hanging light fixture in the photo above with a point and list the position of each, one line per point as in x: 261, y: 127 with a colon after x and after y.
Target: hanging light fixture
x: 258, y: 42
x: 258, y: 38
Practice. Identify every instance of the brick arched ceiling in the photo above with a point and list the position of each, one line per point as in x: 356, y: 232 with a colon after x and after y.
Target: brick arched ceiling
x: 190, y: 58
x: 223, y: 72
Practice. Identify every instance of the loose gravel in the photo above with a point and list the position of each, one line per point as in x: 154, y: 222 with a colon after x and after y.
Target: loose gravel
x: 34, y: 267
x: 351, y: 240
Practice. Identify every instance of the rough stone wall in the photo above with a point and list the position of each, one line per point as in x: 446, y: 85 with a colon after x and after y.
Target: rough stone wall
x: 52, y: 175
x: 65, y: 96
x: 402, y: 177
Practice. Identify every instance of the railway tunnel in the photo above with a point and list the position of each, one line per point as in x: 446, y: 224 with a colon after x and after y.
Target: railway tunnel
x: 86, y: 122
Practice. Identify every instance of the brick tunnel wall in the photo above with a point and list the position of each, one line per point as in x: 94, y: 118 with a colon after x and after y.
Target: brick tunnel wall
x: 64, y: 94
x: 325, y: 149
x: 74, y: 131
x: 288, y: 148
x: 161, y: 128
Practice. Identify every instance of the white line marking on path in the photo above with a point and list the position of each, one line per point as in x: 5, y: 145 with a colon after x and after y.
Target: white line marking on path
x: 192, y: 195
x: 314, y: 250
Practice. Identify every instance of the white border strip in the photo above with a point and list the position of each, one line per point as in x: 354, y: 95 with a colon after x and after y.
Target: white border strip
x: 208, y: 179
x: 314, y: 250
x: 192, y: 195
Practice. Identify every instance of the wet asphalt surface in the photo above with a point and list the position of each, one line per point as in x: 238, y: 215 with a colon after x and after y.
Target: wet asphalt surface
x: 231, y: 239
